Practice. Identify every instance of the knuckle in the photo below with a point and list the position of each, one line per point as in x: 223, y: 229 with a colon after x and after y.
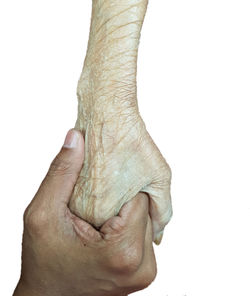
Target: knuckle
x: 126, y: 261
x: 167, y: 174
x: 26, y: 214
x: 114, y: 227
x: 59, y: 167
x: 35, y: 220
x: 163, y: 180
x: 148, y: 277
x: 167, y: 216
x: 170, y: 214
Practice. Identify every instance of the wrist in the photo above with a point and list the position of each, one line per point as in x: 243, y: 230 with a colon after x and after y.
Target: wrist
x: 105, y: 112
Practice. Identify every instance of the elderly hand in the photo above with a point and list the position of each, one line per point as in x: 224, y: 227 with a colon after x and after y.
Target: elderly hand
x: 121, y: 157
x: 64, y: 255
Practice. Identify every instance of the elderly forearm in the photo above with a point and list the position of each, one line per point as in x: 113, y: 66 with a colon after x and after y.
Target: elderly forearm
x: 108, y: 81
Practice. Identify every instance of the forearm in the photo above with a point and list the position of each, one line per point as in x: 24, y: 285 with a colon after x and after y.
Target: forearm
x: 108, y: 81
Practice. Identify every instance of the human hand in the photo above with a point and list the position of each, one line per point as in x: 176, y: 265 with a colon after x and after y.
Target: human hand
x: 121, y: 157
x: 63, y: 255
x: 122, y: 160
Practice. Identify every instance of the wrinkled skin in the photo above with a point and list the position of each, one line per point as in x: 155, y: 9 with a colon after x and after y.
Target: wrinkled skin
x: 121, y: 158
x: 62, y: 255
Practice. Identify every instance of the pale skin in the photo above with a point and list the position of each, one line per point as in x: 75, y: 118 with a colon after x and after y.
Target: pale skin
x: 121, y: 158
x: 63, y: 255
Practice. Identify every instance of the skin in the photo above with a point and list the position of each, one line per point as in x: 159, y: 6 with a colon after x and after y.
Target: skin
x: 64, y: 255
x: 121, y: 158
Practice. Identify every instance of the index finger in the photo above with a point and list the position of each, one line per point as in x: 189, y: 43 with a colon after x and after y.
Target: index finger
x: 131, y: 221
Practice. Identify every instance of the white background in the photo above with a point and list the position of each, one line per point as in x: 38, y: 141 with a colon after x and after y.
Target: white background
x: 193, y: 93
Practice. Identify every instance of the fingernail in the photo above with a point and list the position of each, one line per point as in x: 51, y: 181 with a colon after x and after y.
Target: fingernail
x: 71, y: 139
x: 158, y: 238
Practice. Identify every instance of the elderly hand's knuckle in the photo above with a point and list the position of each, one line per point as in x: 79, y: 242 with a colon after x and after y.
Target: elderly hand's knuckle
x: 59, y: 166
x: 168, y: 173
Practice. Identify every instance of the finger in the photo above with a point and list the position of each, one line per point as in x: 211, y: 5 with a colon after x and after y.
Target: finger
x: 161, y: 213
x: 149, y: 261
x: 64, y: 170
x: 125, y: 235
x: 85, y: 232
x: 160, y: 207
x: 148, y: 268
x: 131, y: 220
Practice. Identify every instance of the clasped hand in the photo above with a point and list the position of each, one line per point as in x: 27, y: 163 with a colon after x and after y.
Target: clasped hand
x: 63, y: 255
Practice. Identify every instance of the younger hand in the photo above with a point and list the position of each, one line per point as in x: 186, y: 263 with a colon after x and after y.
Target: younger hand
x: 63, y: 255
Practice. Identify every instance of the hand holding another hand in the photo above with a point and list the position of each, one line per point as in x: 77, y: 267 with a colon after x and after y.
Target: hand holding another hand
x: 64, y: 255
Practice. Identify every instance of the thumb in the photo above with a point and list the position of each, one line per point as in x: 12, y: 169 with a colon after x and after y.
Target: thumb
x: 64, y: 170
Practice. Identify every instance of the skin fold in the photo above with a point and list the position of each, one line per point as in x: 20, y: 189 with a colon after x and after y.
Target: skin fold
x: 121, y: 158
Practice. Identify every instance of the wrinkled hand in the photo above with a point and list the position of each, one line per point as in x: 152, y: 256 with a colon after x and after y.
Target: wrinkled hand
x: 120, y: 157
x: 64, y: 255
x: 116, y: 170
